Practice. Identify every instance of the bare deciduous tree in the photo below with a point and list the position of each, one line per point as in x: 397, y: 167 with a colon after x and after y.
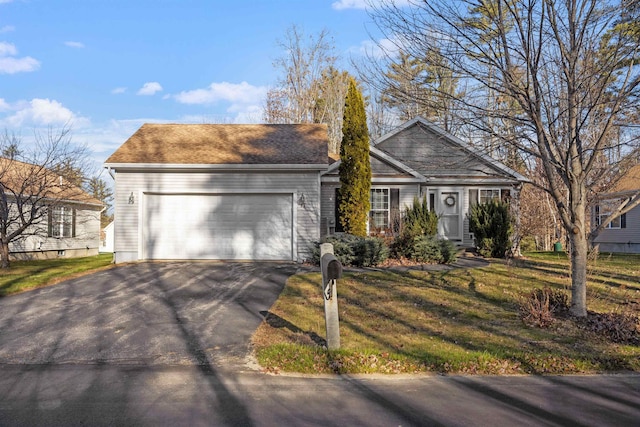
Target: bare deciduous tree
x: 569, y: 69
x: 310, y: 89
x: 30, y: 186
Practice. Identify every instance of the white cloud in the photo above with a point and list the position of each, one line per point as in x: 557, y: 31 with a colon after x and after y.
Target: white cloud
x: 350, y: 4
x: 3, y: 105
x: 377, y: 49
x: 118, y: 90
x: 41, y: 112
x: 236, y: 93
x: 150, y: 88
x: 365, y: 4
x: 77, y: 45
x: 7, y: 29
x: 9, y: 64
x: 7, y: 49
x: 245, y: 100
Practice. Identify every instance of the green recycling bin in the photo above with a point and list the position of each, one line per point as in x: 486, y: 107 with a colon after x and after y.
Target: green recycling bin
x: 557, y: 247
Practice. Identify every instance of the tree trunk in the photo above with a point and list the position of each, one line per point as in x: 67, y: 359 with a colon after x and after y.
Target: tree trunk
x: 4, y: 254
x: 579, y: 251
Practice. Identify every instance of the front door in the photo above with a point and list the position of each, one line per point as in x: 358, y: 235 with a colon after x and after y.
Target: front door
x: 449, y: 211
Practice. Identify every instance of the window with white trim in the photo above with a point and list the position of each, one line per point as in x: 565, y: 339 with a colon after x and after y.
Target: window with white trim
x: 62, y: 221
x: 603, y: 211
x: 379, y: 213
x: 489, y: 195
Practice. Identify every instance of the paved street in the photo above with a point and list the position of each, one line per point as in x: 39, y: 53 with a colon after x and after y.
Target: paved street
x: 166, y: 344
x: 98, y: 395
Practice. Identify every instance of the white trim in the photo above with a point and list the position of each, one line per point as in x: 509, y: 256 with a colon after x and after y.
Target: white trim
x: 379, y: 210
x: 460, y: 196
x: 377, y: 179
x: 384, y: 157
x: 147, y: 167
x: 396, y: 163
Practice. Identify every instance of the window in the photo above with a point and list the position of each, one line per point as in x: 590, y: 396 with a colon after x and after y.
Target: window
x: 379, y: 214
x: 488, y: 195
x: 62, y: 222
x: 604, y: 210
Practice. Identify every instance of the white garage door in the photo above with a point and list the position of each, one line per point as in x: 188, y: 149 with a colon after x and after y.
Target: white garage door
x: 220, y: 226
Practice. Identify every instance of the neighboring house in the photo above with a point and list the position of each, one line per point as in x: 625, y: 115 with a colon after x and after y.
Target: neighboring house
x: 623, y: 233
x: 106, y: 238
x: 236, y: 192
x: 420, y: 159
x: 68, y: 226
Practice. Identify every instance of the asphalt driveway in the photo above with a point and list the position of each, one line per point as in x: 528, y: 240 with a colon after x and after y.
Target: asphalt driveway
x: 143, y: 314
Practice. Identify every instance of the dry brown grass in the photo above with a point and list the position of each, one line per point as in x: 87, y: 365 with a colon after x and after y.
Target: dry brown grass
x: 462, y: 321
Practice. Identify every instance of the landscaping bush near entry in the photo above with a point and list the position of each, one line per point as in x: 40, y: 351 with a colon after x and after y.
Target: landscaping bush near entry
x: 491, y: 225
x: 430, y: 249
x: 416, y: 241
x: 355, y: 251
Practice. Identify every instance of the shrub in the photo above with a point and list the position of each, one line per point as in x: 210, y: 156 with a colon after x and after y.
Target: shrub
x: 370, y: 251
x: 617, y: 327
x: 541, y: 306
x: 417, y: 221
x: 426, y: 249
x: 491, y: 226
x: 448, y: 250
x: 354, y: 250
x: 430, y: 249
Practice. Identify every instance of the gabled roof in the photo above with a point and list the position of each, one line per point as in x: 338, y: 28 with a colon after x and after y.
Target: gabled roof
x: 28, y: 179
x: 384, y: 157
x: 455, y: 141
x: 224, y: 144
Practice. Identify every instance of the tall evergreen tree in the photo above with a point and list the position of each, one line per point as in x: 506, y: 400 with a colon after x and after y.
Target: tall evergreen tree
x: 355, y: 168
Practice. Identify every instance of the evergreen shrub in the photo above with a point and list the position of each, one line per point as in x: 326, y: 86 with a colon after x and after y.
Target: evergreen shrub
x: 354, y: 250
x: 491, y: 225
x: 417, y: 221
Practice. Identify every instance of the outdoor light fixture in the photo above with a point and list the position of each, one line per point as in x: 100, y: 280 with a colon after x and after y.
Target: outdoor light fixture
x: 132, y: 199
x: 301, y: 201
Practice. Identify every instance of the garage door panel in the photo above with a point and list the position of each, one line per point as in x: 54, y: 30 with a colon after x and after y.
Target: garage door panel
x: 229, y: 226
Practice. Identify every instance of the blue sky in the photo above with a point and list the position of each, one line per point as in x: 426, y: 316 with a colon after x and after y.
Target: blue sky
x: 107, y: 66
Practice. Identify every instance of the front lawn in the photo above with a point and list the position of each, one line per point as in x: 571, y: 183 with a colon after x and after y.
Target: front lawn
x: 457, y: 321
x: 26, y: 275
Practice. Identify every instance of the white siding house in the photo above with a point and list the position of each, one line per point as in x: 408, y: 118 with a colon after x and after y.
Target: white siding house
x: 107, y: 238
x: 229, y: 192
x: 623, y: 233
x: 420, y: 159
x: 64, y: 219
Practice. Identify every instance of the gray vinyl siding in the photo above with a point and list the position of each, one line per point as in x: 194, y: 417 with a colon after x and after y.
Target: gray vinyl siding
x: 128, y: 216
x: 327, y: 203
x: 622, y: 239
x: 378, y: 167
x: 432, y: 155
x: 37, y: 244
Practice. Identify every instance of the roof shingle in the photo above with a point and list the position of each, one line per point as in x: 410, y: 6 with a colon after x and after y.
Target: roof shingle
x: 630, y: 181
x: 32, y: 180
x: 265, y: 144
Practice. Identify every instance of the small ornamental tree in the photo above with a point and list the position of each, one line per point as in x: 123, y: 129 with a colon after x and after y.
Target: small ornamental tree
x: 355, y: 168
